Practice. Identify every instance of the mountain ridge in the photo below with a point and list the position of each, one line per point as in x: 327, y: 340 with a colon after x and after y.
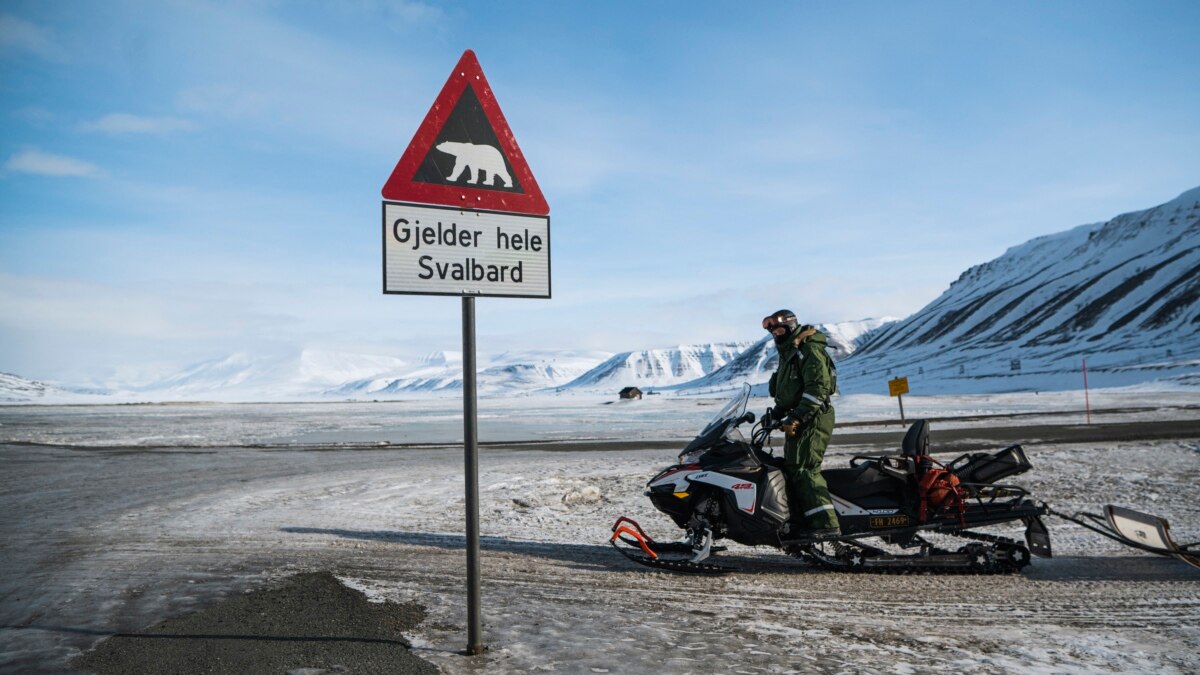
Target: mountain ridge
x: 1123, y: 294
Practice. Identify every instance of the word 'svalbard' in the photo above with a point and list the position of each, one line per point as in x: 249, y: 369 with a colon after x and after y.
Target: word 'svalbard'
x: 439, y: 250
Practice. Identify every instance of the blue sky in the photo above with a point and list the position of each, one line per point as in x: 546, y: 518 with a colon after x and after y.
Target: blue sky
x: 180, y: 181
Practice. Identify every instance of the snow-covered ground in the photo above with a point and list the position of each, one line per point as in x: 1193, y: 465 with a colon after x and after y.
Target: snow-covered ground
x: 118, y: 516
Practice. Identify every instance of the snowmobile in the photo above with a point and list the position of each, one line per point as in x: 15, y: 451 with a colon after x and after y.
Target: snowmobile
x: 725, y: 486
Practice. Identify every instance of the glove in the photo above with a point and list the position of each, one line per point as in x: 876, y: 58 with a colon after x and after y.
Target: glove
x: 791, y: 427
x: 793, y: 424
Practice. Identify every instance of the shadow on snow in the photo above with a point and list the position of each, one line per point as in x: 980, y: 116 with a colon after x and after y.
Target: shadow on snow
x: 602, y: 557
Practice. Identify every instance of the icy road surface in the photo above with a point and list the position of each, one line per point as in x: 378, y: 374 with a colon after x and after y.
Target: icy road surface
x: 114, y: 521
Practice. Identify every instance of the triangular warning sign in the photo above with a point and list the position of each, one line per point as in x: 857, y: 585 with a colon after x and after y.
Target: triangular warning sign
x: 464, y: 154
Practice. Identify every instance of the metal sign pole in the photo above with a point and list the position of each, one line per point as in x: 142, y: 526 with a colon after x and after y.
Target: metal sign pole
x: 900, y: 400
x: 471, y: 457
x: 460, y: 256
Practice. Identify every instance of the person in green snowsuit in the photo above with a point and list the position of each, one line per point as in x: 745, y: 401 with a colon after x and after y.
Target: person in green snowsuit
x: 801, y: 386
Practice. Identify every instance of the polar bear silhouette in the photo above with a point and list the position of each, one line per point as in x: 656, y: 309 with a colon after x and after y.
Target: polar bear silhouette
x: 483, y: 158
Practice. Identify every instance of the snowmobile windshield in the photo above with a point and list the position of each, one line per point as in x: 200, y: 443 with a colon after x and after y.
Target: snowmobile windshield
x: 722, y: 423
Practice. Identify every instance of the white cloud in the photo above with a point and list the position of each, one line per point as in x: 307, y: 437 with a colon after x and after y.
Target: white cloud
x: 47, y: 164
x: 20, y: 35
x: 123, y: 123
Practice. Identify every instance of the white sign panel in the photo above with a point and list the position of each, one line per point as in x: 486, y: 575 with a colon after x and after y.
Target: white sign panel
x: 432, y: 250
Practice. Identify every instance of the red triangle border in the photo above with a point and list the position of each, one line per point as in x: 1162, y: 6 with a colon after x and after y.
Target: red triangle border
x: 400, y: 186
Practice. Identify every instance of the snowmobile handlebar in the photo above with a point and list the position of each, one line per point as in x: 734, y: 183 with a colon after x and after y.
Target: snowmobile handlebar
x: 767, y: 424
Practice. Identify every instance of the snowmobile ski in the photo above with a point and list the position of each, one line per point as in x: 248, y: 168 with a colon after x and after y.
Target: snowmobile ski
x: 671, y: 556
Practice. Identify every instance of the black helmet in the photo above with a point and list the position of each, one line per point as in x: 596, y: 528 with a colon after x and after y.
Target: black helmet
x: 784, y: 319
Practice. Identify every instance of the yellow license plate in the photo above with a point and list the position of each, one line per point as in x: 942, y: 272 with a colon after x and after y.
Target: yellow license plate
x: 889, y: 521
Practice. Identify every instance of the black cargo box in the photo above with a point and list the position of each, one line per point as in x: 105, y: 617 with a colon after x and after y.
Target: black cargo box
x: 983, y: 468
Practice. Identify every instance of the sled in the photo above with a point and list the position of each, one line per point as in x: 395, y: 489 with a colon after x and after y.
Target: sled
x: 1138, y: 530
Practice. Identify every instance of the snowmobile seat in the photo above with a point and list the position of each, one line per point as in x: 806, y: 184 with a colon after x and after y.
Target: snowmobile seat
x: 861, y: 482
x: 916, y: 441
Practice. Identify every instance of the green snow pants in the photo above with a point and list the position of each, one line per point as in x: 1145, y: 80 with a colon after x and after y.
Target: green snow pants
x: 809, y: 495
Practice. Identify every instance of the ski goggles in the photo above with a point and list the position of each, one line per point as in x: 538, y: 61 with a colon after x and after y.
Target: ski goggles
x: 779, y: 320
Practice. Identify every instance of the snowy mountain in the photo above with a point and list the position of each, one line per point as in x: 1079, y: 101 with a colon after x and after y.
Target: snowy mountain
x: 530, y: 371
x: 326, y: 374
x: 846, y: 336
x: 756, y: 363
x: 1122, y: 294
x: 657, y: 368
x: 17, y: 389
x: 242, y: 377
x: 510, y: 372
x: 14, y: 389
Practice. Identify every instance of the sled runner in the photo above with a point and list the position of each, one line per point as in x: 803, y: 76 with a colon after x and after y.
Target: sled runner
x: 1139, y: 530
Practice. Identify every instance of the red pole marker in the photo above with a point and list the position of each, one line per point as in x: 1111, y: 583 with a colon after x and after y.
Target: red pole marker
x: 1086, y: 403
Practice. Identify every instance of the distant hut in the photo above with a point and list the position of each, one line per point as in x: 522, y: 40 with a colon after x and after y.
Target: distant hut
x: 631, y: 392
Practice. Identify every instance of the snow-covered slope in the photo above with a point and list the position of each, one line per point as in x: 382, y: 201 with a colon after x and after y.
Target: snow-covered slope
x: 846, y: 336
x: 1122, y: 294
x: 510, y: 372
x: 437, y: 372
x: 531, y: 371
x: 242, y: 377
x: 16, y: 389
x: 656, y: 368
